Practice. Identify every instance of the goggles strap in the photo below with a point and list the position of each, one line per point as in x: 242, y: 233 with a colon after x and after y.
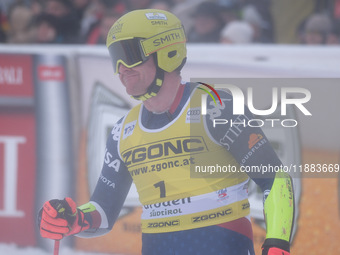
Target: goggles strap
x: 154, y: 87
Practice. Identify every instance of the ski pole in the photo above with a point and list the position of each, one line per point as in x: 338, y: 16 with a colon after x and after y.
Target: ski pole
x: 56, y: 247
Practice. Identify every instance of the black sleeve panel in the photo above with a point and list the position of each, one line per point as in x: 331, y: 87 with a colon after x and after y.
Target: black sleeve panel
x: 243, y: 137
x: 114, y: 181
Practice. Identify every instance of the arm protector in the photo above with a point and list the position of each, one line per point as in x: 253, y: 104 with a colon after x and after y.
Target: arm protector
x: 279, y: 211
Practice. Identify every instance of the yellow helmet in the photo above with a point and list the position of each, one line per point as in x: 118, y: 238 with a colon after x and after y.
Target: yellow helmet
x: 140, y: 33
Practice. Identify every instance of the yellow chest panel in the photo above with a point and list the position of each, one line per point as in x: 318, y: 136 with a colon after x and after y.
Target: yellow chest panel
x: 161, y: 161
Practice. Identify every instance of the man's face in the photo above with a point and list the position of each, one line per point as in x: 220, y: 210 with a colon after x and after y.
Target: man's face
x: 137, y: 79
x: 46, y: 33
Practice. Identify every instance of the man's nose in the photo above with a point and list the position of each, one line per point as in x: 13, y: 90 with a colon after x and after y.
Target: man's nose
x: 122, y: 68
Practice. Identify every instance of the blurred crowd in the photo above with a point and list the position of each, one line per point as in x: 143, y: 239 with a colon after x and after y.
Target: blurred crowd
x: 205, y: 21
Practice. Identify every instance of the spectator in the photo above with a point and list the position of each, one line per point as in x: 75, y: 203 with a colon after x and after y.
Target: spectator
x: 261, y: 27
x: 67, y: 22
x: 164, y: 5
x: 94, y: 13
x: 335, y: 10
x: 286, y: 17
x: 80, y: 7
x: 229, y: 9
x: 184, y: 10
x: 6, y: 4
x: 259, y: 15
x: 137, y: 4
x: 20, y: 19
x: 317, y: 30
x: 99, y: 33
x: 3, y: 26
x: 37, y: 7
x: 2, y: 36
x: 46, y: 29
x: 91, y: 17
x: 237, y: 32
x: 207, y: 24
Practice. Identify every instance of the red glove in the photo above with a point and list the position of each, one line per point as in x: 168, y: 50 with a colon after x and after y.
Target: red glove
x: 60, y: 218
x: 274, y: 251
x: 273, y: 246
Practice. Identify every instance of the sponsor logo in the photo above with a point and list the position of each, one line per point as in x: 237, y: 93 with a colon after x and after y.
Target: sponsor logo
x: 167, y: 39
x: 156, y: 16
x: 212, y: 216
x: 253, y: 149
x: 165, y: 212
x: 128, y: 129
x: 168, y: 208
x: 116, y: 131
x: 222, y: 194
x: 254, y: 139
x: 169, y: 203
x: 106, y: 181
x: 16, y: 75
x: 159, y: 22
x: 174, y: 147
x: 11, y: 75
x: 162, y: 224
x: 51, y: 73
x: 117, y: 28
x: 245, y: 206
x: 193, y: 115
x: 234, y: 131
x: 245, y: 187
x: 10, y: 147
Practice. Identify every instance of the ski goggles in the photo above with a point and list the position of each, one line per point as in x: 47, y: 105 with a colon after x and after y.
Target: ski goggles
x: 134, y: 51
x: 127, y: 52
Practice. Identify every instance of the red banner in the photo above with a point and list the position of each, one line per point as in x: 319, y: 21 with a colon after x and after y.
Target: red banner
x: 16, y: 75
x: 17, y: 178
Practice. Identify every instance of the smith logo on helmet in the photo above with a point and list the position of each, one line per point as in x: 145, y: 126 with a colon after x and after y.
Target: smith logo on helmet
x: 166, y: 39
x: 157, y: 15
x: 162, y: 40
x: 159, y: 22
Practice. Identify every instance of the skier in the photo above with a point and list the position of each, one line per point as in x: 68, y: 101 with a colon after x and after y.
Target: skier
x: 173, y: 154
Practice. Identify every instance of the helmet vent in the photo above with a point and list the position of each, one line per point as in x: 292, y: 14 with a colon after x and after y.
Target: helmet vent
x: 171, y: 54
